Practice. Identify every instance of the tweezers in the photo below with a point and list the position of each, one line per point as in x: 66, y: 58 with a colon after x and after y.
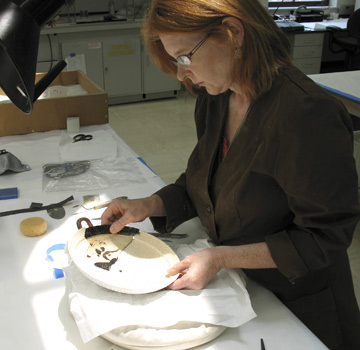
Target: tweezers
x: 262, y: 344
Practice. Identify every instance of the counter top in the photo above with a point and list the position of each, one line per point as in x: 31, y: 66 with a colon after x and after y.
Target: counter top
x: 72, y: 27
x: 321, y: 26
x: 310, y: 27
x: 344, y: 86
x: 90, y: 24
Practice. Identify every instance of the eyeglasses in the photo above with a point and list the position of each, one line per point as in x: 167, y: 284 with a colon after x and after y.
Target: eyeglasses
x: 185, y: 60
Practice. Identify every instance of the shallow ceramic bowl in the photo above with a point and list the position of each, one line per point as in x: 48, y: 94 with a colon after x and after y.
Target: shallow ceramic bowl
x: 135, y: 264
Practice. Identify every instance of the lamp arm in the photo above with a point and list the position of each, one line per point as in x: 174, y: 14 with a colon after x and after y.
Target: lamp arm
x: 20, y: 25
x: 47, y: 79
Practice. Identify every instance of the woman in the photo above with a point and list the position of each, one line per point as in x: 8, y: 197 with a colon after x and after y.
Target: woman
x: 272, y: 177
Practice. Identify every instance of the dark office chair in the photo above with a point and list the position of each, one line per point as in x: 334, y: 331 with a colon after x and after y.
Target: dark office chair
x: 349, y: 44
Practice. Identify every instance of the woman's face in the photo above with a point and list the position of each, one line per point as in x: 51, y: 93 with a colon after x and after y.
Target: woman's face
x: 211, y: 65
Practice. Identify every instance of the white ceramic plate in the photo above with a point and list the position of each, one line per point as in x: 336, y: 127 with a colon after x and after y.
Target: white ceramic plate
x: 128, y: 264
x: 183, y: 335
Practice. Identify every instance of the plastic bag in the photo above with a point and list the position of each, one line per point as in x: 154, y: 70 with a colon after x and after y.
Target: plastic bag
x: 91, y: 175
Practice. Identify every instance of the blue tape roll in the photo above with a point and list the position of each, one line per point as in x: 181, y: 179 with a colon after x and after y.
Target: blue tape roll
x: 58, y: 273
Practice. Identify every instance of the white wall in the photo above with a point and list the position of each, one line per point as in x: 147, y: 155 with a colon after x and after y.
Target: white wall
x: 337, y: 3
x: 357, y: 4
x: 345, y: 2
x: 264, y: 3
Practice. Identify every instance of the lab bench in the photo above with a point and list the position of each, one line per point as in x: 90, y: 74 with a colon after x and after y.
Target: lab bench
x: 36, y: 306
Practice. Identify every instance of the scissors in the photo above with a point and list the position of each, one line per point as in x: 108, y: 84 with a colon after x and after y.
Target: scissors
x: 82, y: 137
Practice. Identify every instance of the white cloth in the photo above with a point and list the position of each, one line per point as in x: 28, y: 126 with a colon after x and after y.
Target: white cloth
x: 183, y: 335
x: 58, y: 91
x: 101, y: 146
x: 96, y: 310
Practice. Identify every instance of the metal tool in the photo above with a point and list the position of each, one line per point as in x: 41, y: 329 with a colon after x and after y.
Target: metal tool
x: 82, y: 137
x: 168, y: 235
x: 262, y: 344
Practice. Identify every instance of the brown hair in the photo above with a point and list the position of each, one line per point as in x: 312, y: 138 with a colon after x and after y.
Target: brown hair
x: 264, y: 51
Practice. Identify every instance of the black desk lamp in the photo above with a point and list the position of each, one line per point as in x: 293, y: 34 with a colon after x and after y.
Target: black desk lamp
x: 20, y: 25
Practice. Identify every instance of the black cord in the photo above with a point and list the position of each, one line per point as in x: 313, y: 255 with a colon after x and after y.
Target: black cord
x: 51, y: 52
x: 37, y: 208
x: 277, y: 9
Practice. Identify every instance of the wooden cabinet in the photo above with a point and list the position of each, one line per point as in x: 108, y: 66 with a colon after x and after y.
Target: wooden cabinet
x: 306, y: 51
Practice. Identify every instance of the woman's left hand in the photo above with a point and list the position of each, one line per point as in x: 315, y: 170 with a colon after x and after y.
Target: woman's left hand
x: 196, y: 270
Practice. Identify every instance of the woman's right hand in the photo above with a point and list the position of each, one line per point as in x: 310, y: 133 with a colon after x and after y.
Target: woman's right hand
x: 121, y: 212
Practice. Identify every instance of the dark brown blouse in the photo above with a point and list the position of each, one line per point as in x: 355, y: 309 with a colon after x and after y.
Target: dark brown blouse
x: 288, y: 179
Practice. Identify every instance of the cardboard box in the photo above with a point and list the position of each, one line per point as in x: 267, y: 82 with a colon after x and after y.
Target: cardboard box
x: 52, y: 113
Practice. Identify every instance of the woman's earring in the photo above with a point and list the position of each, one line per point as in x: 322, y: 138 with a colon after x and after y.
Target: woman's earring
x: 237, y: 54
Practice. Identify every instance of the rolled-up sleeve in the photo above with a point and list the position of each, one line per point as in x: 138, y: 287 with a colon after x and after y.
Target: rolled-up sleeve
x: 178, y: 206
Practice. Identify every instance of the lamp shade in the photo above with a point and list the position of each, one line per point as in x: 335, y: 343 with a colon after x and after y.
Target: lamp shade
x: 20, y: 26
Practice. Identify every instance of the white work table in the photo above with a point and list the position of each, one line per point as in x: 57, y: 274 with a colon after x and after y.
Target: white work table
x: 345, y: 86
x: 340, y: 23
x: 34, y: 306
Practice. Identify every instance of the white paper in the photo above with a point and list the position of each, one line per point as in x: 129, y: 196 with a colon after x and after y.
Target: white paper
x: 96, y: 310
x: 76, y: 62
x: 101, y: 146
x: 57, y: 91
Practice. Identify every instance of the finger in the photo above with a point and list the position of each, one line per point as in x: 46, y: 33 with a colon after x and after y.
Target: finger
x: 178, y: 268
x: 119, y: 224
x: 108, y: 216
x: 116, y: 227
x: 113, y: 212
x: 180, y: 283
x: 107, y: 220
x: 173, y: 286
